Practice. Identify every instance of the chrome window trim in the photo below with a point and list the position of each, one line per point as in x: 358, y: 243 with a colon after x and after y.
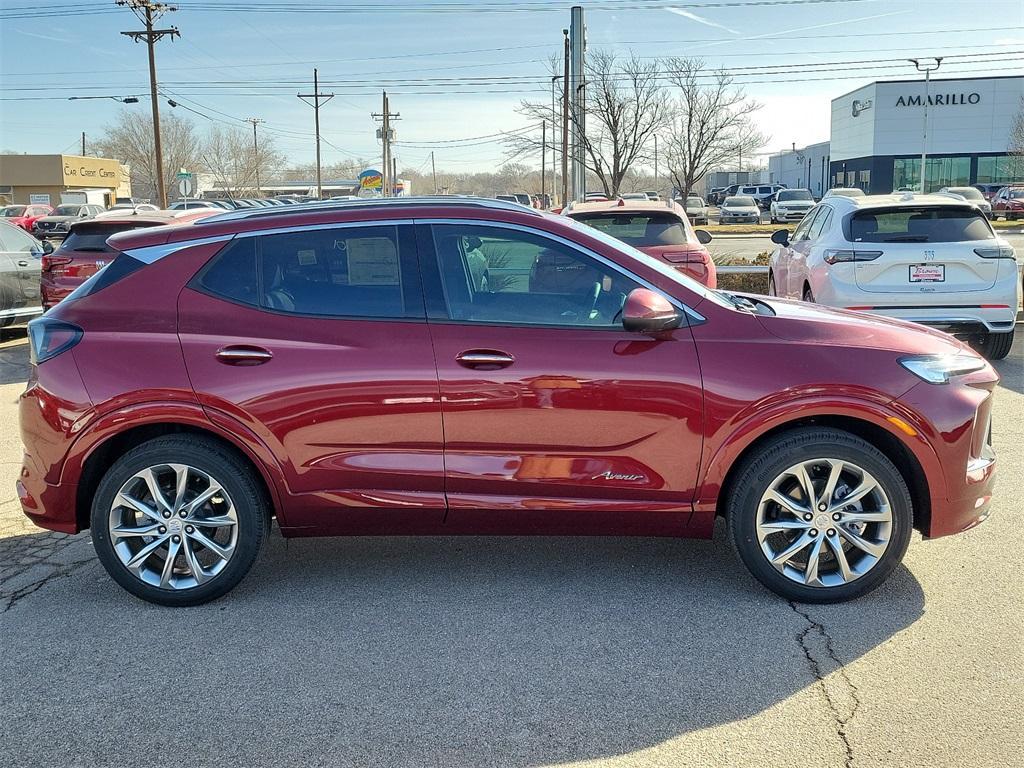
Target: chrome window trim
x: 690, y: 313
x: 152, y: 253
x: 332, y: 225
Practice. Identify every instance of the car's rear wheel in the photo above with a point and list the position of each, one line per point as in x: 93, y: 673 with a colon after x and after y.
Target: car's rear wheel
x: 995, y: 346
x: 179, y: 520
x: 819, y: 515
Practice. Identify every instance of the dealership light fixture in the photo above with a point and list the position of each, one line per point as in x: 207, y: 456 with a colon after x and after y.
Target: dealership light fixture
x: 922, y: 66
x: 122, y: 99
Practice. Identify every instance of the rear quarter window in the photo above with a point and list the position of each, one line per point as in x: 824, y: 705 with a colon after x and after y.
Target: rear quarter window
x: 918, y: 225
x: 639, y: 230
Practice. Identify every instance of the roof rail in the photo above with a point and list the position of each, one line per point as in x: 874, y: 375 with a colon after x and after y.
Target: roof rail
x: 320, y: 206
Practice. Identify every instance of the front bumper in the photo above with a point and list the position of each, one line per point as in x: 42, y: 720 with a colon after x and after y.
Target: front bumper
x: 791, y: 215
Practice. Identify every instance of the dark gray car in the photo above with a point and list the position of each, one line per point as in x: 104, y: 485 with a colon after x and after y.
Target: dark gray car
x: 20, y: 263
x: 59, y: 222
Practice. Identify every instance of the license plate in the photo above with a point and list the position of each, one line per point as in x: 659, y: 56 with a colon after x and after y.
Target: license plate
x: 927, y: 273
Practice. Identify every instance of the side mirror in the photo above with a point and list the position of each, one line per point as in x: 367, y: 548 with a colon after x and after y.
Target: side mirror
x: 649, y: 312
x: 703, y: 236
x: 781, y: 237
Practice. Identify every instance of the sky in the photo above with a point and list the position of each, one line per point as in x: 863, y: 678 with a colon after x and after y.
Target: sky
x: 236, y: 60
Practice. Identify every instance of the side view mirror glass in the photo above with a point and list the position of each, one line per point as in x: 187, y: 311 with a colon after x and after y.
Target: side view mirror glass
x: 648, y: 312
x: 703, y: 236
x: 781, y: 237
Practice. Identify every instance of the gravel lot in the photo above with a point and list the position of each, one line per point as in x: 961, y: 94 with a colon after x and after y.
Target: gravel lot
x: 513, y: 652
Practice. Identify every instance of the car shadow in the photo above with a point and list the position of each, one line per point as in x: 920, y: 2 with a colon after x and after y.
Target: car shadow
x: 423, y: 651
x: 13, y: 355
x: 1011, y: 368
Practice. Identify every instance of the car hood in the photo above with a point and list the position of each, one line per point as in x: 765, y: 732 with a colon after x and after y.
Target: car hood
x: 812, y: 323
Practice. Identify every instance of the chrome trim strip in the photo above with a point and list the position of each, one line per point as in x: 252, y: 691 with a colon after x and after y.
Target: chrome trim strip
x: 153, y: 253
x: 332, y: 225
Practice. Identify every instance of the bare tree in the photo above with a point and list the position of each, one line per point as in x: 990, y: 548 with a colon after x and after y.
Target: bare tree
x: 1016, y: 143
x: 130, y: 141
x: 625, y: 106
x: 712, y: 123
x: 229, y: 155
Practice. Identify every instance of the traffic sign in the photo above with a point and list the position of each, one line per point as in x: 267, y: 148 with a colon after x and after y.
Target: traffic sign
x: 185, y: 185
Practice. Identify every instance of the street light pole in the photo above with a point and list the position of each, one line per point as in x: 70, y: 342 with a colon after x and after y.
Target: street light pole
x: 927, y: 69
x: 256, y: 152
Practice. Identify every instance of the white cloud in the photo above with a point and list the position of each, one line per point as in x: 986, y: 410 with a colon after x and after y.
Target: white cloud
x: 52, y: 38
x: 700, y: 19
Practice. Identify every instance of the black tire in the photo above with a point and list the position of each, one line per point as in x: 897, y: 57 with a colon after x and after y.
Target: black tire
x: 805, y: 444
x: 245, y: 490
x: 995, y: 346
x: 808, y: 294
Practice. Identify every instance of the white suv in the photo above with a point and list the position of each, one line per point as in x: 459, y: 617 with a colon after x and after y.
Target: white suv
x: 931, y: 259
x: 790, y: 204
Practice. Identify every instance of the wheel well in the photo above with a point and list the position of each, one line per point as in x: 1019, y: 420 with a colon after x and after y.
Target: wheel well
x: 114, y: 447
x: 901, y: 456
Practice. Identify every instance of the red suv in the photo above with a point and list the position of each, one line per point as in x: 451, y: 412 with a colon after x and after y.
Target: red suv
x: 661, y: 230
x: 85, y: 250
x: 446, y: 365
x: 24, y: 216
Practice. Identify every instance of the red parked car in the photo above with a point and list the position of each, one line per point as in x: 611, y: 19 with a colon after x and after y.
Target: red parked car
x: 24, y: 216
x: 84, y: 251
x: 444, y: 365
x: 659, y: 229
x: 1008, y: 202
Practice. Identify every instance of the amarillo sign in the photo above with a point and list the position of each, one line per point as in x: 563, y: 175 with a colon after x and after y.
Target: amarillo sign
x: 939, y: 99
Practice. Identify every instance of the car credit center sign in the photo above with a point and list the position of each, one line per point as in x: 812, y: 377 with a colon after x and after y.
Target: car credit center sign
x: 91, y: 172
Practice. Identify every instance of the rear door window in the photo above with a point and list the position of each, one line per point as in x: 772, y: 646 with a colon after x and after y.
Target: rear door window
x: 945, y: 224
x: 640, y: 229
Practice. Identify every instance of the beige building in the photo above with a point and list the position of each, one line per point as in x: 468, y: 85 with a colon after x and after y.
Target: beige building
x: 44, y: 178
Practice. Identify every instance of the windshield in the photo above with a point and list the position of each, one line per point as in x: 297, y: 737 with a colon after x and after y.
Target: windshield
x: 795, y: 194
x: 947, y: 224
x: 638, y: 229
x: 649, y: 261
x: 12, y: 210
x: 694, y: 202
x: 968, y: 193
x: 66, y: 210
x: 739, y: 202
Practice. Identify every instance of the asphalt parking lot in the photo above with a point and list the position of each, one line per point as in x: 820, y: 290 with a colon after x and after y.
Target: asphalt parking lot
x: 515, y: 651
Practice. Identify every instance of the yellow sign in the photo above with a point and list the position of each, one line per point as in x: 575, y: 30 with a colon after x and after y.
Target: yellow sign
x: 91, y: 172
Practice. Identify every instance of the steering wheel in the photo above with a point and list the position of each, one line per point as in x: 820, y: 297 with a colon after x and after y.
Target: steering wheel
x: 591, y: 313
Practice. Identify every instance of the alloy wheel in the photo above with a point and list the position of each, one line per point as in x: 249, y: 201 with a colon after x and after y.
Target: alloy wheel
x: 824, y: 522
x: 173, y: 526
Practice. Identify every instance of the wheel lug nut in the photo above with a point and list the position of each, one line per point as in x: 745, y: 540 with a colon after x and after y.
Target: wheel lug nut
x: 189, y: 529
x: 830, y: 532
x: 162, y: 529
x: 176, y: 539
x: 836, y: 516
x: 167, y: 514
x: 813, y: 532
x: 808, y: 517
x: 822, y: 507
x: 183, y: 513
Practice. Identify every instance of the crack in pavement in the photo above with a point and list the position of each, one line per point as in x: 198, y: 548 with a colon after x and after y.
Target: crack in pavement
x: 57, y: 562
x: 841, y: 694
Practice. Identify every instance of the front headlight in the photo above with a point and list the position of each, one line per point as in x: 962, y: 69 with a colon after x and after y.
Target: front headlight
x: 938, y: 369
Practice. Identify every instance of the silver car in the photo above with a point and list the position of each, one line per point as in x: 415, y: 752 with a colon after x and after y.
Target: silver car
x: 696, y: 210
x: 790, y: 205
x: 971, y: 195
x: 20, y: 257
x: 739, y: 209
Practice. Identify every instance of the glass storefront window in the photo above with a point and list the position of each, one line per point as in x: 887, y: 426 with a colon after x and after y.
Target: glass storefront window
x: 942, y: 172
x: 1000, y: 169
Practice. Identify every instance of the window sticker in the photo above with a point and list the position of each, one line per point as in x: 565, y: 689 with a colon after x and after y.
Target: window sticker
x: 306, y: 258
x: 372, y: 261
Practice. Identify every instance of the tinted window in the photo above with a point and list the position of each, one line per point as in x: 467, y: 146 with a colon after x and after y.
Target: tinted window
x: 496, y: 275
x: 12, y: 210
x: 67, y: 210
x: 16, y: 240
x: 820, y: 224
x: 346, y: 272
x: 1015, y: 193
x: 638, y: 229
x: 794, y: 194
x: 804, y: 226
x: 232, y: 274
x: 765, y: 190
x: 739, y: 202
x: 93, y: 237
x: 918, y: 225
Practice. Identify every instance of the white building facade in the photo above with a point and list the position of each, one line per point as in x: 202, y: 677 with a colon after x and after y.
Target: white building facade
x: 878, y: 133
x: 806, y: 168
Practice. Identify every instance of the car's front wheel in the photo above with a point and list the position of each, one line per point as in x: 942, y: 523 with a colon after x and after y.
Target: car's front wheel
x: 995, y: 346
x: 179, y: 520
x: 819, y: 515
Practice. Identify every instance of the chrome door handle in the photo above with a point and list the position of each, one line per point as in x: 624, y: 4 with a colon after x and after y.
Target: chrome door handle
x: 22, y: 263
x: 484, y: 358
x: 243, y: 355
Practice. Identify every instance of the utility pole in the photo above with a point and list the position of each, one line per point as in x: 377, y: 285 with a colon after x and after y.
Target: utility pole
x: 149, y: 11
x: 565, y: 121
x: 433, y: 170
x: 656, y: 162
x: 394, y: 176
x: 256, y: 152
x: 83, y: 143
x: 543, y: 155
x: 578, y: 44
x: 927, y: 69
x: 316, y: 96
x: 386, y: 137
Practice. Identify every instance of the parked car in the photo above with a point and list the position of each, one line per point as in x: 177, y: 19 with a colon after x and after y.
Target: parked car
x: 933, y: 260
x: 971, y: 195
x: 658, y: 229
x: 130, y: 209
x: 24, y: 216
x: 738, y: 209
x: 20, y: 255
x: 790, y: 205
x: 696, y: 210
x: 57, y: 223
x: 715, y: 195
x: 85, y: 251
x: 602, y: 394
x: 843, y: 192
x: 989, y: 190
x: 634, y: 196
x: 1009, y: 203
x: 652, y: 195
x: 761, y: 193
x: 185, y: 205
x: 595, y: 197
x: 506, y: 198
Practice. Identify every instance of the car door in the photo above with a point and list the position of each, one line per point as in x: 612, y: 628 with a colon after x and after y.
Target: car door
x: 555, y: 417
x: 316, y: 340
x: 21, y: 268
x: 10, y: 288
x: 798, y: 249
x: 784, y: 257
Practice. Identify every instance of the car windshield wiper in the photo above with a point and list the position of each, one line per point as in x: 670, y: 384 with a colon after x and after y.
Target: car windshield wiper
x: 907, y: 239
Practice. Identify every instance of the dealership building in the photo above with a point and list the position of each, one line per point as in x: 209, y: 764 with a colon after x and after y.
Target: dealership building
x: 878, y: 133
x: 50, y: 178
x: 806, y: 168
